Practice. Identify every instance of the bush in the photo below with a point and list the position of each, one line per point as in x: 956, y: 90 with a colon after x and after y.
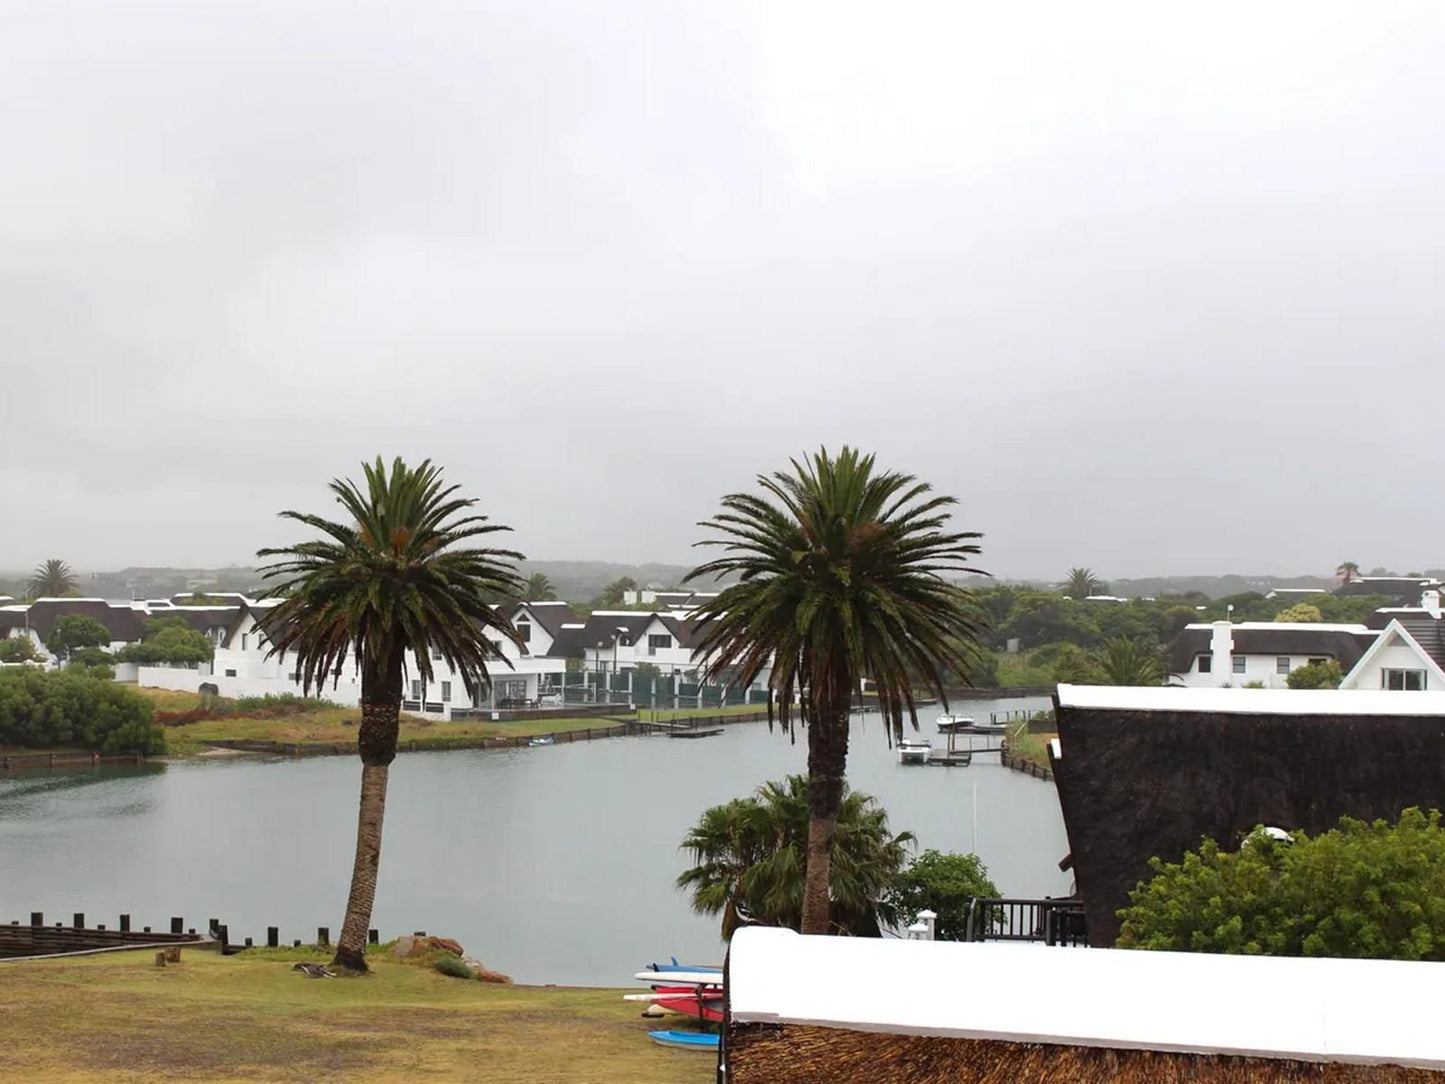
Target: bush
x: 452, y: 965
x: 1316, y: 675
x: 943, y: 883
x: 18, y: 649
x: 276, y: 704
x: 1372, y: 890
x: 40, y: 708
x: 169, y: 641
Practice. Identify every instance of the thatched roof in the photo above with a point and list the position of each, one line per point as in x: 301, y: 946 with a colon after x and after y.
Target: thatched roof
x: 1148, y: 772
x: 863, y: 1009
x: 801, y: 1054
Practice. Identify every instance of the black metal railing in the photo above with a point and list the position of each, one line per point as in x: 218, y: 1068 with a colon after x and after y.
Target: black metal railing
x: 1050, y: 921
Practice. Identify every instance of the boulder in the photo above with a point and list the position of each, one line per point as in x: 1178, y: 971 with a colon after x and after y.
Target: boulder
x: 448, y: 944
x: 404, y: 946
x: 479, y: 969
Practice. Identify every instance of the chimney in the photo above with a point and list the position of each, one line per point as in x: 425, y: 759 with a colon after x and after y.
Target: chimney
x: 1430, y: 602
x: 1221, y: 649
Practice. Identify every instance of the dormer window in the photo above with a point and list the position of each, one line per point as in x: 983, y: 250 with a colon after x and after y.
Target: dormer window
x: 524, y: 631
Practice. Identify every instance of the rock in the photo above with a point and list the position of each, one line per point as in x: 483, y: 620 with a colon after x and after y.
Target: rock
x: 492, y: 976
x: 404, y: 946
x: 448, y: 944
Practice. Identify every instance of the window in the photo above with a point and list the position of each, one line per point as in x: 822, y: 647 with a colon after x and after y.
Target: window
x: 1206, y: 663
x: 230, y: 673
x: 416, y: 689
x: 1281, y: 665
x: 446, y: 692
x: 1239, y: 662
x: 436, y: 653
x: 243, y: 641
x: 657, y: 643
x: 1407, y: 680
x: 524, y: 632
x: 1318, y: 662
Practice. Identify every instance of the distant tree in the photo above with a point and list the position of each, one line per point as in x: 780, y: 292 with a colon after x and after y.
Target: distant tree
x: 53, y: 579
x: 1040, y: 617
x: 750, y: 857
x: 1316, y: 675
x: 614, y: 593
x: 169, y: 641
x: 1176, y: 617
x: 18, y: 649
x: 1081, y: 583
x: 1129, y: 662
x: 1359, y: 890
x: 73, y: 631
x: 1347, y: 571
x: 1300, y: 612
x: 538, y: 588
x: 943, y: 883
x: 1075, y: 666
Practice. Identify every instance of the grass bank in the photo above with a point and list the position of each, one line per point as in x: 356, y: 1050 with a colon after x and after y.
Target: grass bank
x: 338, y: 725
x: 1034, y: 747
x: 117, y: 1017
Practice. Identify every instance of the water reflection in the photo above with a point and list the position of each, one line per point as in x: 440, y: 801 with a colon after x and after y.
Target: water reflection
x: 552, y: 864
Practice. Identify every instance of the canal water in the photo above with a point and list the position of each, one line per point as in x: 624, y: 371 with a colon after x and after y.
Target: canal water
x: 554, y: 864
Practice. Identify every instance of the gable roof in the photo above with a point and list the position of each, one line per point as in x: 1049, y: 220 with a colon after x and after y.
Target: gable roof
x: 550, y: 615
x: 201, y: 618
x: 1397, y: 632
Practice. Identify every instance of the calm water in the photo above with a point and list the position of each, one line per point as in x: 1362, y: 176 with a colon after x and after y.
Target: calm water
x: 552, y: 864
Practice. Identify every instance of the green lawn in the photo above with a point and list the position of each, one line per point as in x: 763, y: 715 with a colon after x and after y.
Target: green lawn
x: 662, y: 715
x: 338, y: 725
x: 1028, y: 746
x: 117, y: 1017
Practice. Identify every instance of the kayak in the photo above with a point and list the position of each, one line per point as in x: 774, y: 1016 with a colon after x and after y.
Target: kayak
x: 675, y: 966
x: 685, y: 1040
x: 691, y: 1006
x: 681, y: 978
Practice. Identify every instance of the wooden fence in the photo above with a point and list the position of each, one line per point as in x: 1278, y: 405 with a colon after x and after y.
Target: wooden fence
x: 35, y: 938
x: 1019, y: 764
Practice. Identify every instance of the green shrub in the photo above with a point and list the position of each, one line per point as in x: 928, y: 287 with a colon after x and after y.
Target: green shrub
x: 1316, y: 675
x: 277, y: 704
x: 453, y: 966
x: 18, y: 649
x: 1372, y: 890
x: 943, y: 883
x: 40, y: 708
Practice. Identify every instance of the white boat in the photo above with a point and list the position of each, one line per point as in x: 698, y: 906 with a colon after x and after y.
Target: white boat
x: 914, y: 752
x: 948, y: 723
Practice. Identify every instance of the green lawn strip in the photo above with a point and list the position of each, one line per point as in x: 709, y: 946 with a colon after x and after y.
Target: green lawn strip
x: 1026, y: 746
x: 118, y: 1017
x: 665, y: 714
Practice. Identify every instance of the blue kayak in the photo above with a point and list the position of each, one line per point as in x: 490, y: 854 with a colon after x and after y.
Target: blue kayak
x: 685, y: 1040
x: 675, y: 966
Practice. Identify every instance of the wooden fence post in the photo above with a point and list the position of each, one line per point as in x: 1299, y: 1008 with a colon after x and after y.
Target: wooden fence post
x: 79, y: 918
x: 273, y: 937
x: 323, y: 936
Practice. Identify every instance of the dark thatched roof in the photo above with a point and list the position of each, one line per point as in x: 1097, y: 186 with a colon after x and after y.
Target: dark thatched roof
x: 1405, y: 590
x: 1134, y: 784
x: 550, y: 615
x: 123, y: 623
x: 801, y: 1054
x: 1281, y: 638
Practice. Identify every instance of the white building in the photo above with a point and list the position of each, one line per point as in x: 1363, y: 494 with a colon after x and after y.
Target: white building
x: 1399, y: 648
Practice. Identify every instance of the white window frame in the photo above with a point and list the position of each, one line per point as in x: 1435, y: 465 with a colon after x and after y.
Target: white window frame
x: 1404, y: 674
x: 1238, y: 664
x: 446, y: 692
x: 1281, y: 665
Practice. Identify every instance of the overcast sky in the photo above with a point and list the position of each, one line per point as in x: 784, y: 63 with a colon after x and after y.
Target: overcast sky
x: 1149, y: 289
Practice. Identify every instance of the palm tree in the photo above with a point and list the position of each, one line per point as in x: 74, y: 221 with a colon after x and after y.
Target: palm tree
x: 839, y: 577
x: 538, y: 588
x: 749, y: 857
x: 1082, y: 583
x: 391, y: 578
x: 1347, y: 571
x: 53, y: 579
x: 1122, y: 661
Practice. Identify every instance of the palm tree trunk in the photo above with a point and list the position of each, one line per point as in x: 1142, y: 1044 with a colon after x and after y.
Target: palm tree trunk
x: 351, y: 946
x: 827, y: 764
x: 376, y: 744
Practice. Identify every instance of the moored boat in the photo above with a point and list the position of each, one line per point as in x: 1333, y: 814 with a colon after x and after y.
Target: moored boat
x: 913, y: 752
x: 948, y: 723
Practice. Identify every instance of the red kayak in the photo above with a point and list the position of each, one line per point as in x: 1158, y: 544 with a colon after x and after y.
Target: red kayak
x: 691, y: 1005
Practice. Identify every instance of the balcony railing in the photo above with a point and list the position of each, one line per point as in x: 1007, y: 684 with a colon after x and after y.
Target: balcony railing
x: 1052, y: 922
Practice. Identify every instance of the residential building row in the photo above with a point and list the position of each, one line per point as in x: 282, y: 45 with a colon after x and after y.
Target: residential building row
x: 562, y: 655
x: 1397, y: 648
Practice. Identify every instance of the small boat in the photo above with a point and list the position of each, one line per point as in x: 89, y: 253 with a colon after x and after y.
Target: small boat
x: 951, y: 723
x: 545, y: 739
x: 913, y: 752
x: 693, y: 733
x: 685, y: 1040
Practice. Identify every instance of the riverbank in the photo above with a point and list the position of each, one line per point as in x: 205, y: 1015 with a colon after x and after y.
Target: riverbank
x: 316, y: 730
x: 1031, y: 747
x: 117, y: 1017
